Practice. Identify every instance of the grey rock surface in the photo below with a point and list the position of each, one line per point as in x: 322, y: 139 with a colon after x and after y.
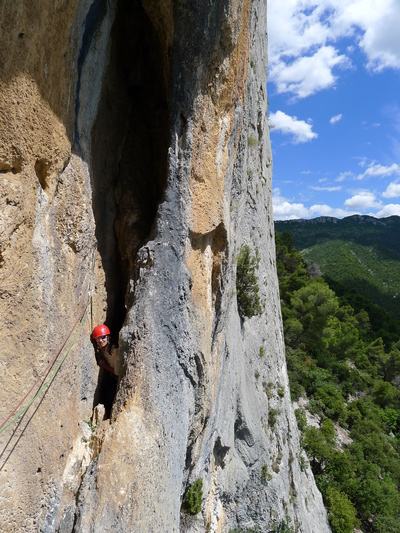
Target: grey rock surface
x: 168, y: 168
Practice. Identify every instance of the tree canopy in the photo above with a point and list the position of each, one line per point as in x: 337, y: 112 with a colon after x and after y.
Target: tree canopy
x: 349, y: 374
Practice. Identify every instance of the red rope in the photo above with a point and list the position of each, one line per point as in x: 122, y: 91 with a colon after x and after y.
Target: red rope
x: 43, y: 374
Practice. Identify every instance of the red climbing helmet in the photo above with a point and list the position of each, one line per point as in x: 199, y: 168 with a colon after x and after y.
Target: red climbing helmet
x: 99, y: 331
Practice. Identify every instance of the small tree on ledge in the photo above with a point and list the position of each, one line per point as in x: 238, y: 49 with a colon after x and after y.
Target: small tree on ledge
x: 247, y: 288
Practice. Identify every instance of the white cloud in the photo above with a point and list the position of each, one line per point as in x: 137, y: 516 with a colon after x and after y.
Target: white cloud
x: 285, y: 210
x: 292, y: 32
x: 327, y: 189
x: 299, y: 129
x: 324, y: 210
x: 392, y: 191
x: 361, y: 203
x: 335, y: 119
x: 374, y: 169
x: 343, y: 176
x: 304, y: 35
x: 370, y: 126
x: 380, y: 41
x: 363, y: 200
x: 389, y: 210
x: 309, y: 74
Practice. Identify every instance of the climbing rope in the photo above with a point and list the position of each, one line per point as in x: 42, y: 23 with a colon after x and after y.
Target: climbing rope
x: 92, y: 286
x: 11, y: 418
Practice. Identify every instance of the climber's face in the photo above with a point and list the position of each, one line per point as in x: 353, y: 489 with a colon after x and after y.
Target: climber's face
x: 102, y: 341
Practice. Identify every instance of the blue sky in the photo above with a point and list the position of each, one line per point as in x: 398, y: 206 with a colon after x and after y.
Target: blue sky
x: 334, y: 107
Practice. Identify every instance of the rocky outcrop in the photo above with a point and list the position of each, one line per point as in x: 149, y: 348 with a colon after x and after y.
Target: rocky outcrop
x: 135, y: 160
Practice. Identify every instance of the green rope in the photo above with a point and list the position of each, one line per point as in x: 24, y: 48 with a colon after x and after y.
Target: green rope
x: 48, y: 382
x: 91, y: 286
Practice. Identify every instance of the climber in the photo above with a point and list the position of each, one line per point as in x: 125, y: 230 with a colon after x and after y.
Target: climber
x: 106, y: 352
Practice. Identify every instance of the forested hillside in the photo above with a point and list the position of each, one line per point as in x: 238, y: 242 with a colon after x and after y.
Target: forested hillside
x: 360, y: 253
x: 345, y: 380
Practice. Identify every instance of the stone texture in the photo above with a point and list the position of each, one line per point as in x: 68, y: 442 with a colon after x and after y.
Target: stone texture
x: 141, y: 128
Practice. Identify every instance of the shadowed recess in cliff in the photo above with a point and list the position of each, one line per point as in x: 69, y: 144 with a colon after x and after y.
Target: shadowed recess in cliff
x: 129, y: 150
x: 128, y: 153
x: 92, y: 23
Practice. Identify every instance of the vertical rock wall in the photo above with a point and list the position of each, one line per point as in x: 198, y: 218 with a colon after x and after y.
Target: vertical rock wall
x: 140, y: 127
x: 46, y: 248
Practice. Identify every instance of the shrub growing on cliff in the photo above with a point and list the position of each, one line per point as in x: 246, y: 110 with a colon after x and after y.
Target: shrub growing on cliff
x: 283, y: 526
x: 265, y: 475
x: 247, y: 530
x: 247, y: 288
x: 272, y: 417
x: 191, y: 503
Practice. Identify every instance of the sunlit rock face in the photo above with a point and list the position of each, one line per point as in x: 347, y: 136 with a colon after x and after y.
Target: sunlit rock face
x: 135, y: 164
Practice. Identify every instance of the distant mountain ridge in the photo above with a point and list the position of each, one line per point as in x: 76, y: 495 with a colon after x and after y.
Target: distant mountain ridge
x: 362, y: 228
x: 361, y: 252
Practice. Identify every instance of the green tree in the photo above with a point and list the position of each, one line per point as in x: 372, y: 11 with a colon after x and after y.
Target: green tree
x: 247, y: 289
x: 392, y: 367
x: 332, y: 353
x: 386, y: 524
x: 390, y: 417
x: 313, y: 306
x: 192, y: 499
x: 384, y: 393
x: 318, y: 446
x: 291, y: 268
x: 341, y: 512
x: 376, y: 354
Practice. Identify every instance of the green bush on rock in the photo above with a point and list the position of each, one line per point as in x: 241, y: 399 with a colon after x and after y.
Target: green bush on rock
x: 247, y: 288
x: 191, y: 503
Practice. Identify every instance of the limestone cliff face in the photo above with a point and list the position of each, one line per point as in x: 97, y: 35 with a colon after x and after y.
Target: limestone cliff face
x: 135, y: 159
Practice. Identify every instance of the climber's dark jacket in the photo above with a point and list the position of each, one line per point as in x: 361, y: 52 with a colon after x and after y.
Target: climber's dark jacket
x: 107, y: 358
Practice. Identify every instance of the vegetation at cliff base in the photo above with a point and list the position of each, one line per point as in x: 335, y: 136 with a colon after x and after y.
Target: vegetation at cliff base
x: 348, y: 377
